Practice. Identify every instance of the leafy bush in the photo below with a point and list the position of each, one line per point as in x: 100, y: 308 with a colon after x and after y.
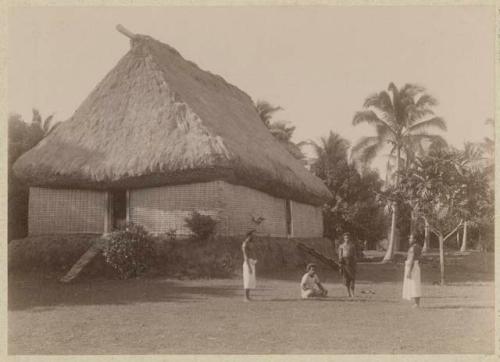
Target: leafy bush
x: 130, y: 250
x: 203, y: 226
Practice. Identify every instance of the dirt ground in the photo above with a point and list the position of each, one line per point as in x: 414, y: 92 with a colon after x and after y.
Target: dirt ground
x: 162, y: 316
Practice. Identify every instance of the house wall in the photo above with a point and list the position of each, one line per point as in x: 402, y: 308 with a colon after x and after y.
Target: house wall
x: 57, y: 211
x: 241, y: 204
x: 161, y: 209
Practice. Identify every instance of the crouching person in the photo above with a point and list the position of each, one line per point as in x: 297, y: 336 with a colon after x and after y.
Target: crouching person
x: 310, y: 285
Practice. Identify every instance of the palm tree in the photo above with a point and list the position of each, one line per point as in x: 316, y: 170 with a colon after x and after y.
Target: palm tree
x: 266, y: 111
x: 401, y: 118
x: 42, y: 125
x: 281, y: 130
x: 331, y: 154
x: 475, y: 170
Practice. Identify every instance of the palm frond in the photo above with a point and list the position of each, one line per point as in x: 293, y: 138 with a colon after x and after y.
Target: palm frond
x: 368, y: 153
x: 381, y: 101
x: 411, y: 90
x: 266, y: 111
x: 37, y: 118
x: 364, y: 142
x: 47, y: 124
x: 281, y: 130
x: 414, y: 114
x: 369, y: 117
x: 435, y: 122
x: 425, y: 101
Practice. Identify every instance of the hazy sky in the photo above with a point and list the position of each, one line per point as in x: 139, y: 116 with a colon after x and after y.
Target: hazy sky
x: 318, y: 63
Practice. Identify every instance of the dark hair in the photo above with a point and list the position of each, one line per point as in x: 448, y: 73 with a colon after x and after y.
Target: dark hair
x: 309, y: 266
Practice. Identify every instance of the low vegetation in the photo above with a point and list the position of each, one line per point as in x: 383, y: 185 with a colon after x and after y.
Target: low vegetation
x: 202, y: 226
x: 130, y: 251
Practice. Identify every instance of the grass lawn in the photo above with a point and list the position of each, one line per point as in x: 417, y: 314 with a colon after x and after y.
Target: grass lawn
x: 162, y: 316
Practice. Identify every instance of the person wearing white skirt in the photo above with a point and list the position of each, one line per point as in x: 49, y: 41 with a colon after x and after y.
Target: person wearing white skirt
x: 412, y: 289
x: 249, y: 278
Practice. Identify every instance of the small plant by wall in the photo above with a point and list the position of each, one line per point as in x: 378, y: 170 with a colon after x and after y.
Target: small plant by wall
x: 202, y: 226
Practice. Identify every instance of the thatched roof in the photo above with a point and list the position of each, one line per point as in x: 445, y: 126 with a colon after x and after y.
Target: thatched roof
x: 158, y: 119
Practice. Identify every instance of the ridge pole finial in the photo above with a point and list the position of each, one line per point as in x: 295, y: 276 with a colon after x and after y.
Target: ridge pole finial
x: 125, y: 31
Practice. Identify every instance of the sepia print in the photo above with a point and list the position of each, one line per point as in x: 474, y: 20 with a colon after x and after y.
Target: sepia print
x: 251, y: 180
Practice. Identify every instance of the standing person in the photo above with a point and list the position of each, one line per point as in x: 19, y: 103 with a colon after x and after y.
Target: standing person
x: 310, y: 286
x: 249, y: 280
x: 347, y: 259
x: 411, y: 285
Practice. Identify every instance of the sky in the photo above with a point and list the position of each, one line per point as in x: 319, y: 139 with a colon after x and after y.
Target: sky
x: 318, y: 63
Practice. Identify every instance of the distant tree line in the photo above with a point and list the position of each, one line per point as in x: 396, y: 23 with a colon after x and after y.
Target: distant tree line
x: 431, y: 189
x: 22, y: 136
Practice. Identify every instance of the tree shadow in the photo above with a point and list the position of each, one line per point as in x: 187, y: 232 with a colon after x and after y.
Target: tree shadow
x: 459, y: 307
x: 332, y: 300
x: 448, y: 297
x: 470, y: 268
x: 41, y: 295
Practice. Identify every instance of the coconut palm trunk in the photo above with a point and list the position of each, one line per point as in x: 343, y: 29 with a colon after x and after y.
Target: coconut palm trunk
x: 464, y: 238
x: 426, y: 246
x: 392, y: 239
x: 441, y: 258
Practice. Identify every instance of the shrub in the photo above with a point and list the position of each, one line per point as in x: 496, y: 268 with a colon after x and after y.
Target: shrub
x: 203, y: 226
x: 130, y: 250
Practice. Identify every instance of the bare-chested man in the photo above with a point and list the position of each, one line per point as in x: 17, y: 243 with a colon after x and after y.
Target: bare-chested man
x: 347, y: 258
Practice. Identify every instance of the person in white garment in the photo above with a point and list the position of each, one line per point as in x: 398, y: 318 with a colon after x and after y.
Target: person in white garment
x: 412, y: 289
x: 249, y: 261
x: 310, y: 286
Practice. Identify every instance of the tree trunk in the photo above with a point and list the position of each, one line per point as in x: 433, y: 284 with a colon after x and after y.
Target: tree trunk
x: 390, y: 249
x: 426, y: 236
x: 412, y: 223
x: 458, y: 239
x: 441, y: 258
x: 464, y: 239
x: 397, y: 235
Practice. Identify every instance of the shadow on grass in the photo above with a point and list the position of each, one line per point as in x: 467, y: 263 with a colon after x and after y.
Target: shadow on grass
x: 40, y: 294
x: 458, y: 307
x: 331, y: 300
x: 472, y: 268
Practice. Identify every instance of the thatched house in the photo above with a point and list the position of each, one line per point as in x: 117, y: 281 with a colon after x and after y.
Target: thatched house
x: 158, y: 138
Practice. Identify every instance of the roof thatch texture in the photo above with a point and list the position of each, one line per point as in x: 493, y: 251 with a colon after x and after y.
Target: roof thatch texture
x: 158, y: 119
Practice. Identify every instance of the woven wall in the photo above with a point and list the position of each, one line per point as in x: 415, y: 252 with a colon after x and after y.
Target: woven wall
x: 55, y: 211
x: 241, y: 203
x: 307, y: 220
x: 160, y: 209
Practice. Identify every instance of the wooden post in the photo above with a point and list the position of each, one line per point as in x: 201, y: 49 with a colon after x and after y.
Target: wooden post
x: 106, y: 214
x: 127, y: 206
x: 125, y: 31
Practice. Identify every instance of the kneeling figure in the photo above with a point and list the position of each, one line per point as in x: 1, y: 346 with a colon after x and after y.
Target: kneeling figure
x: 310, y: 285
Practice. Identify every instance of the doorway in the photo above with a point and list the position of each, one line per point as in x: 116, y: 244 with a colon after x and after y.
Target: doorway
x: 119, y: 208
